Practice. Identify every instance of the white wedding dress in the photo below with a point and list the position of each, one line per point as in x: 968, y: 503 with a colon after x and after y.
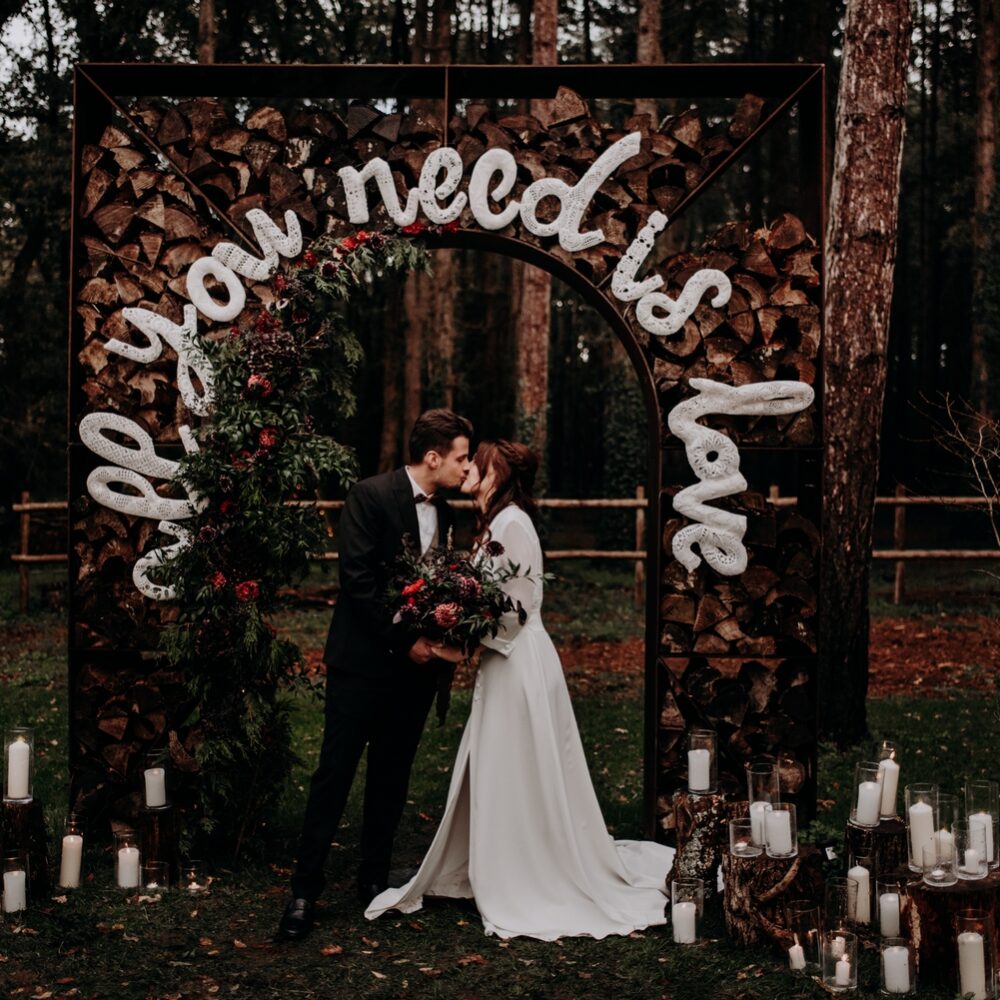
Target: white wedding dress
x: 522, y: 831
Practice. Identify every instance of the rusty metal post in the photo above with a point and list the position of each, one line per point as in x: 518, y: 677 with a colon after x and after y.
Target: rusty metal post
x: 23, y: 570
x: 898, y: 543
x: 640, y: 546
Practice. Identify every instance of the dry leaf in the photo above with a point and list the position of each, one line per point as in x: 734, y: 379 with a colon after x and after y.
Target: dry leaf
x: 237, y: 943
x: 331, y: 949
x: 379, y: 975
x: 471, y: 960
x: 431, y: 972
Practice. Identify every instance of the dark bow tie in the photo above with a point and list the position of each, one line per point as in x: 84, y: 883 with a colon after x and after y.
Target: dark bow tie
x: 423, y: 498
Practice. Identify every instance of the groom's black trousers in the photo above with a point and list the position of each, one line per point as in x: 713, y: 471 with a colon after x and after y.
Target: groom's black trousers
x: 388, y: 716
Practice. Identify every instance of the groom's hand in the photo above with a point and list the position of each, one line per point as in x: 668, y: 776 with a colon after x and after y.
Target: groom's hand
x: 453, y: 654
x: 422, y: 651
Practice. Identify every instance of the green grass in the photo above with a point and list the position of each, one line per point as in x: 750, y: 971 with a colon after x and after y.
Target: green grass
x: 100, y: 945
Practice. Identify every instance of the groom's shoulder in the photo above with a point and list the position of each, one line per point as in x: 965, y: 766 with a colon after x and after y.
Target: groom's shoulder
x: 381, y: 483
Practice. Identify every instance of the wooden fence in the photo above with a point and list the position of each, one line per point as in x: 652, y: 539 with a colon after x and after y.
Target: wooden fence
x: 25, y: 559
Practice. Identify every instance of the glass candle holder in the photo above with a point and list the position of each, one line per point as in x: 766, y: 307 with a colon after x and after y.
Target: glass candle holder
x: 888, y: 762
x: 947, y: 816
x: 18, y: 764
x: 71, y: 854
x: 899, y: 969
x: 982, y: 809
x: 862, y: 870
x: 127, y: 860
x: 780, y: 832
x: 939, y: 868
x: 840, y: 961
x: 890, y: 905
x: 194, y: 877
x: 741, y: 840
x: 971, y: 856
x: 687, y: 901
x: 763, y: 790
x: 866, y: 806
x: 702, y: 764
x: 974, y: 940
x: 15, y: 882
x: 804, y: 919
x: 921, y: 821
x: 840, y: 902
x: 154, y: 778
x: 155, y: 876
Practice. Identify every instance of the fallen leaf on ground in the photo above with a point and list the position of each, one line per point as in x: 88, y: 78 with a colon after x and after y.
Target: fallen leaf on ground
x: 237, y: 943
x: 331, y: 949
x: 379, y: 975
x: 428, y: 971
x: 471, y: 960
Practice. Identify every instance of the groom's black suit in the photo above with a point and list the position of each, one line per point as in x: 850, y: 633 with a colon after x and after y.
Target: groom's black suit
x: 375, y: 694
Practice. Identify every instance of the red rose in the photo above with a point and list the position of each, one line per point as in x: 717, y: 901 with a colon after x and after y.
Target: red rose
x: 280, y: 284
x: 248, y: 590
x: 217, y: 580
x: 309, y: 259
x: 267, y: 437
x: 229, y: 508
x: 447, y: 615
x: 468, y: 586
x: 452, y: 227
x: 414, y: 229
x: 415, y: 587
x: 362, y: 236
x: 259, y: 385
x: 242, y: 460
x: 411, y: 602
x: 349, y: 243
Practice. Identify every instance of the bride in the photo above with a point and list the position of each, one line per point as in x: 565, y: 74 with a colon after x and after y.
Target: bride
x: 522, y: 832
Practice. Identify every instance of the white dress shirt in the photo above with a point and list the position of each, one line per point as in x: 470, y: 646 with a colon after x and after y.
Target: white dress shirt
x: 427, y: 516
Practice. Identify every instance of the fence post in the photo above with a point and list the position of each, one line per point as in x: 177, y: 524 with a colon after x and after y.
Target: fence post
x: 899, y: 543
x: 640, y: 545
x: 23, y: 568
x: 773, y: 493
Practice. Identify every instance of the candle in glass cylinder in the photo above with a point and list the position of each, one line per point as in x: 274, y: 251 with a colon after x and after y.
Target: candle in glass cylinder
x: 699, y: 770
x: 869, y: 803
x: 128, y: 867
x: 945, y: 845
x: 758, y: 810
x: 15, y: 897
x: 843, y: 971
x: 972, y: 965
x: 983, y: 821
x: 156, y: 787
x: 921, y: 828
x: 71, y: 861
x: 778, y: 831
x: 838, y: 946
x: 684, y: 917
x: 890, y: 783
x: 18, y: 768
x: 896, y: 964
x: 796, y: 957
x: 862, y: 908
x: 888, y: 914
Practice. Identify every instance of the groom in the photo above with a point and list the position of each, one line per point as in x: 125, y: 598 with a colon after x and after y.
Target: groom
x: 380, y: 679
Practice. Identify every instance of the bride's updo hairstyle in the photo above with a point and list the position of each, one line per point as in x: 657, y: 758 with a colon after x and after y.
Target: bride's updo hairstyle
x: 514, y: 469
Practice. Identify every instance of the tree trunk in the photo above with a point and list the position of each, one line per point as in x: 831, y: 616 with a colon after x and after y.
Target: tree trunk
x: 987, y: 54
x: 861, y: 246
x: 206, y: 31
x: 534, y: 308
x: 392, y: 348
x: 648, y: 51
x: 415, y: 305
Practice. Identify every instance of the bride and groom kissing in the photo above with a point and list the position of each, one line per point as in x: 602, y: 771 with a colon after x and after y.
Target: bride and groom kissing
x: 522, y: 832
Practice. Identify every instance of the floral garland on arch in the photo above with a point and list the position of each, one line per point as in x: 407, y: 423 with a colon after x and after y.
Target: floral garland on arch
x: 258, y: 449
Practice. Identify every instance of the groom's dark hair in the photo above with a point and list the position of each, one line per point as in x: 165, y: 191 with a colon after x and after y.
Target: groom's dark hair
x: 435, y: 430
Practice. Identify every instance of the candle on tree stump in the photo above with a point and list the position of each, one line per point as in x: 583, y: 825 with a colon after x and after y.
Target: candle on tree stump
x: 71, y: 858
x: 972, y: 964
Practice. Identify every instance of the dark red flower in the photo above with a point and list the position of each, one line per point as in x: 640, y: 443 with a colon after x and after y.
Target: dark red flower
x: 217, y: 580
x: 309, y: 259
x: 349, y: 243
x: 207, y: 533
x: 452, y: 227
x: 447, y: 615
x: 234, y: 332
x: 258, y: 385
x: 469, y: 586
x: 362, y: 236
x: 242, y: 460
x: 494, y: 549
x: 229, y: 508
x: 415, y: 587
x: 268, y: 437
x: 414, y: 228
x: 248, y: 590
x: 280, y: 283
x: 329, y: 269
x: 299, y: 316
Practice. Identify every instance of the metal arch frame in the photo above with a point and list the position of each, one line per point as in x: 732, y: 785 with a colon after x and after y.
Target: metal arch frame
x: 96, y: 87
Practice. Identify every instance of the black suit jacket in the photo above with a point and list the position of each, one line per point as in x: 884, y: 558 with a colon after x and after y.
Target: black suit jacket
x: 362, y: 639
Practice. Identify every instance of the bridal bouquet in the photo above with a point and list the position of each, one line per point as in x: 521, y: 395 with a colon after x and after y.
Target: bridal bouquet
x: 451, y: 596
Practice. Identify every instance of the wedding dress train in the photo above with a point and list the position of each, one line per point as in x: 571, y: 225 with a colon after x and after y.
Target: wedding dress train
x: 522, y: 831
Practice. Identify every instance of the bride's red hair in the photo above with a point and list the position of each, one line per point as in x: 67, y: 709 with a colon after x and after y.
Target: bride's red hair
x: 514, y: 468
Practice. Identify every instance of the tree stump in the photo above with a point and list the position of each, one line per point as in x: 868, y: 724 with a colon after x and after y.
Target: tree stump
x: 885, y: 844
x: 22, y: 828
x: 158, y: 837
x: 702, y: 835
x: 933, y: 911
x: 757, y: 889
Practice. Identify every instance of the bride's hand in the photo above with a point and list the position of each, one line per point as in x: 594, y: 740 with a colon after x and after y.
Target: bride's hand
x: 453, y: 654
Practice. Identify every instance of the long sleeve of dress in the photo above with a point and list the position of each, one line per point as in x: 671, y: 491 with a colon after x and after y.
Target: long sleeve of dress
x: 521, y: 548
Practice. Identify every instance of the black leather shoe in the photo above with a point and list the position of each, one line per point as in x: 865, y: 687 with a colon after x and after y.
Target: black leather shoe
x: 298, y: 919
x: 367, y: 891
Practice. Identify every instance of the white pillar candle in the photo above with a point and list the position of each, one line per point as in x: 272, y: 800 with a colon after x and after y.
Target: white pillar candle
x: 921, y: 830
x: 128, y: 867
x: 699, y: 770
x: 869, y: 803
x: 862, y: 906
x: 18, y: 764
x: 984, y: 821
x: 971, y: 865
x: 684, y: 917
x: 71, y: 860
x: 888, y: 914
x: 156, y: 787
x: 972, y: 965
x: 15, y: 896
x: 778, y: 829
x: 843, y: 976
x: 945, y: 845
x: 838, y: 946
x: 896, y: 961
x: 890, y: 782
x: 758, y: 810
x: 796, y: 958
